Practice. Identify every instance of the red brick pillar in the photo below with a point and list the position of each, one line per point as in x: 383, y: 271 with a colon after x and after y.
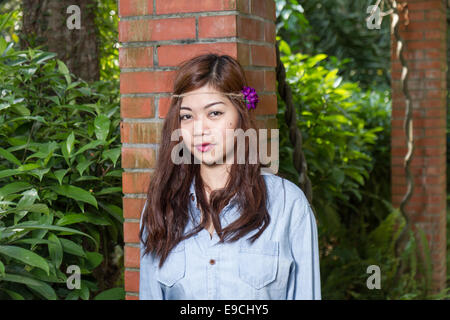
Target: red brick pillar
x: 425, y: 38
x: 156, y: 35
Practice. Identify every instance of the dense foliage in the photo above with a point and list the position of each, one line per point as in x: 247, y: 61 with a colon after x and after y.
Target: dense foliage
x: 338, y: 28
x: 346, y: 142
x: 59, y: 179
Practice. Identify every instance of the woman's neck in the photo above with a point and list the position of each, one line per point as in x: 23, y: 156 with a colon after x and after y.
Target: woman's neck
x: 214, y: 177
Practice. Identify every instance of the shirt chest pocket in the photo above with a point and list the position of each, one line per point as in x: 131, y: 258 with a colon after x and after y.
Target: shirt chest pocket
x: 174, y: 268
x: 258, y: 262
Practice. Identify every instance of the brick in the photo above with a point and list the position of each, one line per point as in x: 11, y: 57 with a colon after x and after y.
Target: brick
x: 156, y: 29
x: 426, y: 44
x: 263, y: 56
x: 264, y: 8
x: 136, y: 57
x: 243, y: 54
x: 132, y: 207
x: 130, y: 297
x: 164, y: 105
x: 137, y: 107
x: 132, y: 257
x: 269, y: 32
x: 217, y: 27
x: 433, y: 15
x: 138, y: 157
x: 243, y: 6
x: 183, y: 6
x: 415, y: 35
x: 135, y: 7
x: 131, y: 281
x: 426, y: 5
x: 434, y: 34
x: 140, y: 132
x: 422, y: 25
x: 267, y: 104
x: 173, y: 55
x: 146, y: 81
x: 255, y: 79
x: 135, y: 182
x: 270, y: 81
x: 250, y: 29
x: 432, y: 54
x: 131, y: 232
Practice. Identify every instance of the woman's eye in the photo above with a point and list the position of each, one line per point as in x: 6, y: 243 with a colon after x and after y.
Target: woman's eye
x: 184, y: 115
x: 217, y: 113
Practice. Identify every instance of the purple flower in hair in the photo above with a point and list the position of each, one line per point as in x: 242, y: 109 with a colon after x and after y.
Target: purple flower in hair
x: 251, y: 97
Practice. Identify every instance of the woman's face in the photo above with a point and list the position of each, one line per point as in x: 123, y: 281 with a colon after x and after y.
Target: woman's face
x: 204, y: 119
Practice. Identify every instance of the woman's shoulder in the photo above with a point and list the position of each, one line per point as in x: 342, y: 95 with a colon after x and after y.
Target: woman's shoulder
x: 282, y: 189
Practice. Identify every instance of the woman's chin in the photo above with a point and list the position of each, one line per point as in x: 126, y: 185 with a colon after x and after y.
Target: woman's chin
x: 208, y: 159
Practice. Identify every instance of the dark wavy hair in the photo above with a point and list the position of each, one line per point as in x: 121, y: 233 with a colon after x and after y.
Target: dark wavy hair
x: 166, y: 214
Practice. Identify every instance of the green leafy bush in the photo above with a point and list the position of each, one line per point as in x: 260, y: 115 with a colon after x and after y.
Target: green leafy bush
x: 346, y: 142
x: 60, y: 179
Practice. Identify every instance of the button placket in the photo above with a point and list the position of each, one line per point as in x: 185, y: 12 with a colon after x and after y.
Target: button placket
x: 212, y: 270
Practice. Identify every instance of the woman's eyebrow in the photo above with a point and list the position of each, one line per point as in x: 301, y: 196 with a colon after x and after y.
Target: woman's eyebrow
x: 207, y: 106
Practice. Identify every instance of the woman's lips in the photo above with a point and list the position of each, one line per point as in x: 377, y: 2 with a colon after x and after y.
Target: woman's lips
x: 204, y: 147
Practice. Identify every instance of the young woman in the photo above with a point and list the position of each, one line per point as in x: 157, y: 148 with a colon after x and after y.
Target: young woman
x: 217, y: 229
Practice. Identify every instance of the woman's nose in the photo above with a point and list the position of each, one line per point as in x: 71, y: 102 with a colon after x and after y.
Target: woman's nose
x: 201, y: 126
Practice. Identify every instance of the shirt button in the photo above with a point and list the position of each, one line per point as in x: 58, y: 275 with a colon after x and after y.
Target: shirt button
x: 212, y: 261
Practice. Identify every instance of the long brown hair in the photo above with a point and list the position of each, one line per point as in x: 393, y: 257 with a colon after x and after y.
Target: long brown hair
x: 166, y: 214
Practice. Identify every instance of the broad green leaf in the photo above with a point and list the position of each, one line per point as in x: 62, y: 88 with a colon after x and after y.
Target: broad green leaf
x: 29, y: 166
x: 71, y: 247
x: 82, y: 166
x: 112, y: 154
x: 73, y: 295
x: 59, y: 174
x: 111, y: 294
x: 26, y: 256
x: 102, y: 124
x: 55, y: 249
x: 39, y: 286
x: 94, y: 259
x: 9, y: 172
x: 86, y: 178
x: 2, y: 269
x: 9, y: 156
x: 84, y: 292
x: 42, y: 57
x: 114, y: 173
x: 113, y: 210
x: 108, y: 191
x: 75, y: 193
x: 40, y: 172
x: 32, y: 241
x: 29, y: 226
x: 70, y: 143
x: 64, y: 70
x: 90, y: 145
x: 13, y: 188
x: 14, y: 295
x: 78, y: 217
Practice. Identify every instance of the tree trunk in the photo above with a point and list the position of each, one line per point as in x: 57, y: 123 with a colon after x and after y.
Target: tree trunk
x: 44, y: 23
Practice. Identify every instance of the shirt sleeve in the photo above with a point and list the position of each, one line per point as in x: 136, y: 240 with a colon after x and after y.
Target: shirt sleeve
x: 305, y: 284
x: 149, y: 288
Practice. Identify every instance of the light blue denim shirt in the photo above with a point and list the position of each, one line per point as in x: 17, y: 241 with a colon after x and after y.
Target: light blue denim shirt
x: 282, y: 264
